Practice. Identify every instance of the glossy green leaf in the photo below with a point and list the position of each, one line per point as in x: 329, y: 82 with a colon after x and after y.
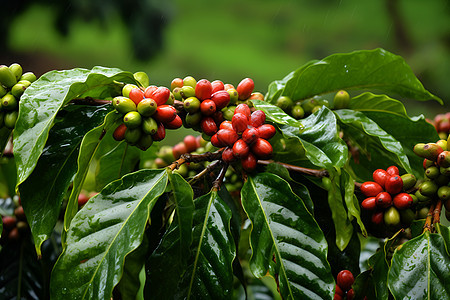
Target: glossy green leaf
x: 209, y: 274
x: 89, y: 146
x: 103, y: 232
x: 364, y: 286
x: 319, y: 136
x: 286, y: 240
x: 276, y: 114
x: 369, y: 137
x: 445, y: 233
x: 372, y: 102
x: 421, y: 269
x: 43, y: 191
x: 41, y: 102
x: 5, y: 133
x: 345, y: 259
x: 359, y: 70
x: 351, y: 202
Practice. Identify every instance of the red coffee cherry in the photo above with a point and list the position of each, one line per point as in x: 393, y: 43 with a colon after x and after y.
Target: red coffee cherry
x: 226, y: 125
x: 345, y: 280
x: 228, y: 155
x: 243, y: 109
x: 369, y: 203
x: 9, y: 222
x: 250, y: 135
x: 216, y: 142
x: 176, y: 83
x: 160, y: 95
x: 239, y: 122
x: 178, y: 150
x: 19, y: 213
x: 227, y: 137
x: 262, y: 149
x: 208, y: 126
x: 119, y: 132
x: 383, y: 200
x: 190, y: 142
x: 241, y: 149
x: 136, y: 95
x: 249, y: 162
x: 14, y: 234
x: 165, y: 113
x: 174, y: 124
x: 380, y: 176
x: 217, y: 85
x: 392, y: 170
x: 339, y: 291
x: 160, y: 133
x: 350, y: 294
x: 221, y: 99
x: 394, y: 184
x: 218, y: 117
x: 338, y: 297
x: 403, y: 201
x: 371, y: 189
x: 257, y: 118
x: 208, y: 107
x: 203, y: 89
x: 149, y: 91
x: 82, y: 199
x: 228, y: 86
x: 377, y: 217
x: 266, y: 131
x: 245, y: 88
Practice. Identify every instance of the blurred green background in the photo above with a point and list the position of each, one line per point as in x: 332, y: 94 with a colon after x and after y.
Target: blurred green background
x: 227, y: 40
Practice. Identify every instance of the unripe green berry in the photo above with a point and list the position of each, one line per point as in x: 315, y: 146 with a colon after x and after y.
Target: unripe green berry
x: 297, y: 112
x: 341, y: 100
x: 187, y: 91
x: 409, y: 180
x: 9, y: 102
x: 10, y: 119
x: 191, y: 105
x: 127, y: 89
x: 132, y: 119
x: 285, y: 103
x: 28, y: 76
x: 189, y: 81
x: 16, y: 69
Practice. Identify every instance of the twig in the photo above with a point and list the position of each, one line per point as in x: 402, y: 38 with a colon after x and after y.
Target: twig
x: 437, y: 212
x: 218, y: 182
x: 179, y: 106
x: 427, y: 226
x: 195, y: 158
x: 312, y: 172
x: 90, y: 101
x: 206, y: 170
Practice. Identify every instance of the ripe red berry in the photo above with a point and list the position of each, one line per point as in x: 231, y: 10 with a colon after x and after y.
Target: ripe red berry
x: 226, y: 125
x: 217, y: 85
x: 203, y: 89
x: 243, y: 109
x: 241, y: 149
x: 174, y: 124
x: 8, y: 222
x: 239, y: 122
x: 394, y: 184
x: 345, y: 280
x: 216, y: 142
x: 14, y: 234
x: 339, y: 291
x: 250, y: 135
x: 136, y: 95
x: 403, y: 201
x: 249, y: 162
x: 208, y: 107
x: 377, y: 217
x: 160, y: 133
x: 371, y: 189
x: 338, y: 297
x: 228, y: 86
x: 190, y: 142
x: 262, y: 149
x: 380, y: 176
x: 177, y: 82
x: 178, y: 150
x: 119, y: 132
x: 221, y: 99
x: 165, y: 113
x: 149, y: 91
x: 82, y: 199
x: 266, y: 131
x: 369, y: 203
x: 160, y: 95
x: 383, y: 200
x: 392, y: 170
x: 245, y: 88
x: 227, y: 155
x: 208, y: 126
x: 257, y: 118
x: 227, y: 137
x: 350, y: 294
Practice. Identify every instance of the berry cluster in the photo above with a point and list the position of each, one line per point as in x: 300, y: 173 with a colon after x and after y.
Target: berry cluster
x: 442, y: 124
x: 12, y: 85
x: 245, y: 137
x: 303, y: 108
x: 14, y: 226
x: 344, y: 282
x: 387, y: 195
x: 147, y: 113
x: 437, y: 173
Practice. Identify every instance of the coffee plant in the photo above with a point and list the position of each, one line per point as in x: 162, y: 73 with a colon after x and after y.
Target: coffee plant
x: 323, y: 187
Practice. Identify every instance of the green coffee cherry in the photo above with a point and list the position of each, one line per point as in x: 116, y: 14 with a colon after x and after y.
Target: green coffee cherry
x: 142, y: 77
x: 10, y: 119
x: 422, y: 213
x: 166, y: 154
x: 442, y: 180
x: 182, y: 170
x: 25, y: 83
x: 147, y: 107
x: 177, y: 93
x: 145, y: 142
x: 234, y: 96
x: 444, y: 193
x: 285, y: 103
x: 18, y: 89
x: 445, y: 171
x: 428, y: 188
x: 193, y: 119
x: 409, y: 180
x: 189, y: 81
x: 429, y: 151
x: 443, y: 144
x: 149, y: 126
x: 9, y: 102
x: 3, y: 91
x: 316, y: 108
x: 127, y: 89
x: 191, y: 105
x: 132, y: 135
x: 124, y: 104
x: 7, y: 77
x: 228, y: 112
x: 407, y: 216
x: 391, y: 216
x: 171, y: 99
x: 432, y: 172
x: 297, y: 112
x: 28, y: 76
x: 341, y: 100
x: 187, y: 91
x: 132, y: 119
x: 308, y: 105
x: 422, y: 198
x: 16, y: 69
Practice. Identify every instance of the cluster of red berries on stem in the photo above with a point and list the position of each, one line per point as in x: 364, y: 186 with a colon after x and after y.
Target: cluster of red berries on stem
x: 442, y: 124
x: 385, y: 195
x: 344, y: 284
x: 245, y: 137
